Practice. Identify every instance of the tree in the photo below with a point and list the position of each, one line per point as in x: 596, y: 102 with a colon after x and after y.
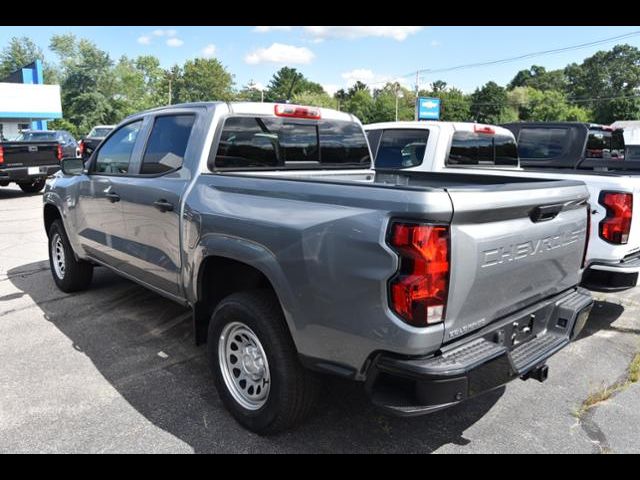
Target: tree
x: 538, y: 78
x: 489, y: 103
x: 288, y: 82
x: 530, y: 104
x: 315, y: 99
x: 607, y: 83
x: 250, y: 93
x: 22, y: 51
x: 203, y: 79
x: 454, y: 104
x: 360, y: 104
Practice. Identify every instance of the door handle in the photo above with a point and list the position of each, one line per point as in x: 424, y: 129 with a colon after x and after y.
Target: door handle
x: 163, y: 205
x: 112, y: 197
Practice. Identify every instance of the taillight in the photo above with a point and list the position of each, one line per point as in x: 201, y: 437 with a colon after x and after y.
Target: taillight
x: 615, y: 227
x: 1, y: 154
x: 296, y: 111
x: 418, y: 291
x: 59, y: 152
x: 81, y: 147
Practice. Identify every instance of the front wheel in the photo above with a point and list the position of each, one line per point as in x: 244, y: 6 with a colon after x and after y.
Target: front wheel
x: 69, y: 273
x: 34, y: 186
x: 256, y: 368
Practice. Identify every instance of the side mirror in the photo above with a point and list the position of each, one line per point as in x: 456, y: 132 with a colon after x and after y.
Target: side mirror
x: 72, y: 166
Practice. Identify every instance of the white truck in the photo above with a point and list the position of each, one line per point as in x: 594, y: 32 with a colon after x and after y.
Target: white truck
x: 613, y: 257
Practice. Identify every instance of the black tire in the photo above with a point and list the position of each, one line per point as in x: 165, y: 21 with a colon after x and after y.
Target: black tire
x: 77, y: 274
x: 292, y: 388
x: 33, y: 187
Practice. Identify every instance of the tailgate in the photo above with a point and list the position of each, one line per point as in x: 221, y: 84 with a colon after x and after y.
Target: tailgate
x: 510, y: 247
x: 30, y: 154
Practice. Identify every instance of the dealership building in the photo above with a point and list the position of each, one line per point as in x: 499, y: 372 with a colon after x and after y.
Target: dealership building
x: 26, y: 103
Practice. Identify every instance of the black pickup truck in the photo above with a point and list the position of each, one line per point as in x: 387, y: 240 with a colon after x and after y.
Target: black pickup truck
x: 29, y: 163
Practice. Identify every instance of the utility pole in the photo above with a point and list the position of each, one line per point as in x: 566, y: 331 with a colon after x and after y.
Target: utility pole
x: 170, y: 99
x: 417, y: 91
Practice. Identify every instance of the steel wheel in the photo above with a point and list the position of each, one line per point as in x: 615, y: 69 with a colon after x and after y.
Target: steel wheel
x: 57, y: 255
x: 244, y: 365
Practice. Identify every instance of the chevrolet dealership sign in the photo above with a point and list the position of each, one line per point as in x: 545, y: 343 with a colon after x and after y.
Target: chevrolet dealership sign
x: 29, y: 101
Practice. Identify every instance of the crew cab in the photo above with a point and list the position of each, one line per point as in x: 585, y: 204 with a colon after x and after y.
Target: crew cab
x: 613, y: 256
x: 297, y: 259
x: 30, y: 158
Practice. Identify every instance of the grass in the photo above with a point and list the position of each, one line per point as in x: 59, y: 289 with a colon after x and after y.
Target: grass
x: 606, y: 392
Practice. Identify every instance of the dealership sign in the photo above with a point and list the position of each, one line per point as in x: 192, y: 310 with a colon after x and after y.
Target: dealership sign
x: 428, y: 108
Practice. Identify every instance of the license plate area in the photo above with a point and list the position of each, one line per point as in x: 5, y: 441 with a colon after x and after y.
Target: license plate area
x: 33, y: 170
x: 32, y: 148
x: 524, y: 328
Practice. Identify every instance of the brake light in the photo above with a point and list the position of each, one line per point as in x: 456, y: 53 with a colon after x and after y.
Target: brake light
x: 1, y: 154
x: 615, y: 227
x: 483, y: 129
x: 81, y: 147
x: 418, y: 291
x: 296, y: 111
x: 59, y: 152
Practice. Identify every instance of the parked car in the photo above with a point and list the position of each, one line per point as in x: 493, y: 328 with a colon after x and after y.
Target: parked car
x: 29, y: 160
x: 89, y: 143
x: 613, y: 256
x: 69, y: 144
x: 296, y: 258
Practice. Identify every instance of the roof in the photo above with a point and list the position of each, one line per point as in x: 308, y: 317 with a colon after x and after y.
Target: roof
x: 458, y: 126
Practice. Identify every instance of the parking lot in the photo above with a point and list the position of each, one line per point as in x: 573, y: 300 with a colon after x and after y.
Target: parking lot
x: 114, y: 369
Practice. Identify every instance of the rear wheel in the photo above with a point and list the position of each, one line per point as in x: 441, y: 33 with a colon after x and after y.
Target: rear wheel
x: 255, y: 364
x: 69, y: 273
x: 34, y: 186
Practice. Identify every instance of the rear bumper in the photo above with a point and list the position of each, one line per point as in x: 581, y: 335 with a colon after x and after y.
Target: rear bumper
x: 612, y: 276
x: 486, y: 360
x: 21, y: 174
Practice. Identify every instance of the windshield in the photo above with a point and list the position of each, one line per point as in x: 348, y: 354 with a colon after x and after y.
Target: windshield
x: 99, y: 132
x: 36, y: 137
x: 265, y: 142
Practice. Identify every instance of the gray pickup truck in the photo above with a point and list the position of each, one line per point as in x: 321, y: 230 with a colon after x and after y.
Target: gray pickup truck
x: 296, y: 258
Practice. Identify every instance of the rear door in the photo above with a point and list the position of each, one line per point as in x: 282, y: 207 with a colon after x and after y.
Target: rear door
x: 151, y: 201
x: 512, y: 246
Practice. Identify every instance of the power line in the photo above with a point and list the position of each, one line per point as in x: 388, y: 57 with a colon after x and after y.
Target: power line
x: 512, y: 59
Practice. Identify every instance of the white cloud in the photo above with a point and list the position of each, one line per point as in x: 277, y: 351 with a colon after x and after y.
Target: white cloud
x: 209, y: 51
x: 144, y: 40
x: 174, y: 42
x: 331, y: 88
x: 372, y: 79
x: 271, y: 29
x: 165, y: 33
x: 398, y: 33
x: 280, y: 53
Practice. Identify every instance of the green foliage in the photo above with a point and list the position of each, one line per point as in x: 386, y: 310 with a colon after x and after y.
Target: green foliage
x: 531, y: 104
x: 538, y: 78
x: 20, y: 52
x: 455, y: 106
x: 288, y: 82
x: 489, y: 103
x: 64, y: 124
x: 203, y: 80
x: 315, y: 99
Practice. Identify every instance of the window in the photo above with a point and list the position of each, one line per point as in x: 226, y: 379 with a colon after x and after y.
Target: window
x: 99, y: 132
x: 115, y: 154
x: 167, y: 144
x: 543, y: 143
x: 633, y: 153
x: 473, y: 148
x: 256, y: 142
x: 604, y: 143
x: 37, y: 137
x: 401, y: 148
x: 373, y: 136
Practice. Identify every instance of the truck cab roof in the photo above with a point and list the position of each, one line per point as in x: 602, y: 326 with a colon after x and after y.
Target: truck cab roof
x: 455, y: 126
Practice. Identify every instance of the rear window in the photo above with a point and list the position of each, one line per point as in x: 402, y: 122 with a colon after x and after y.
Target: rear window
x: 401, y: 148
x: 473, y: 148
x: 542, y: 143
x: 266, y: 142
x: 37, y: 137
x: 99, y: 132
x: 604, y: 143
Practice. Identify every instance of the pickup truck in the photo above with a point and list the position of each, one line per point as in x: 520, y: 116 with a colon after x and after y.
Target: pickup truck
x: 296, y: 258
x: 613, y: 256
x: 28, y: 161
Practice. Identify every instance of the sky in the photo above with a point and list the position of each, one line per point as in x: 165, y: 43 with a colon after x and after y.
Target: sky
x: 337, y: 56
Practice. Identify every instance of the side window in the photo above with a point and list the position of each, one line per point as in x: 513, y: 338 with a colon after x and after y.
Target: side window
x: 401, y: 148
x: 474, y: 148
x: 373, y: 137
x: 542, y: 143
x: 114, y: 156
x: 167, y: 143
